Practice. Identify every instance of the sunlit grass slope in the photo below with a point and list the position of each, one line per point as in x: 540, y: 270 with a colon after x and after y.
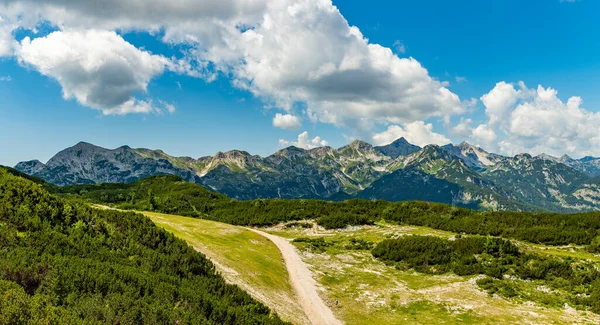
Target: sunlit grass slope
x: 243, y: 257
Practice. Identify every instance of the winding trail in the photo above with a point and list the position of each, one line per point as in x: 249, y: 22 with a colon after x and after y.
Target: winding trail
x: 303, y: 283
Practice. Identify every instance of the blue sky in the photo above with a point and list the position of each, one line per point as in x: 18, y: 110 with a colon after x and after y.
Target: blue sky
x: 472, y: 45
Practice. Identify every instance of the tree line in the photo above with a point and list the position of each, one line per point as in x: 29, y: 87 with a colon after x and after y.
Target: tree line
x: 171, y: 194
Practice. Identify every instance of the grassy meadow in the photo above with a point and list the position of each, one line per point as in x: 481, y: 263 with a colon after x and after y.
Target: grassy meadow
x: 370, y: 292
x: 243, y: 258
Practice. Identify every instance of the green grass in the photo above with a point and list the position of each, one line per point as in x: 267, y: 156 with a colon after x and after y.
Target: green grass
x: 576, y: 252
x: 370, y: 292
x: 243, y: 257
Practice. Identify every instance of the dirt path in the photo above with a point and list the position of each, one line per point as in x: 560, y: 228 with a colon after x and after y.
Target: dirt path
x: 305, y: 286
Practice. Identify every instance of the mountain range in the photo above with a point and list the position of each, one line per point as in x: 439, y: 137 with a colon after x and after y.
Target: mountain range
x: 463, y: 175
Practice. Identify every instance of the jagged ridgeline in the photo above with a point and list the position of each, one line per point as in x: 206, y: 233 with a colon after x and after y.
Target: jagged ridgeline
x: 171, y: 194
x: 463, y: 175
x: 62, y: 262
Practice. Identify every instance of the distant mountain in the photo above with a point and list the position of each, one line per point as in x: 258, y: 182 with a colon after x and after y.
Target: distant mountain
x: 538, y: 181
x: 85, y: 163
x: 588, y: 165
x: 463, y: 175
x: 444, y: 178
x: 398, y: 148
x: 473, y: 156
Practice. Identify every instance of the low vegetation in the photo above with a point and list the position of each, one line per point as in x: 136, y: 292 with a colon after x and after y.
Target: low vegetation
x: 62, y: 262
x: 373, y: 291
x: 505, y: 266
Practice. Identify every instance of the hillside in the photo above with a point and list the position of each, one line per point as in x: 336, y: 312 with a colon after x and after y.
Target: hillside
x: 62, y: 262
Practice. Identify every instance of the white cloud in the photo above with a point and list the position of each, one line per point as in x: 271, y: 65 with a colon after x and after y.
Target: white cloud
x: 5, y: 78
x: 7, y: 41
x: 97, y: 68
x: 286, y: 121
x: 499, y: 101
x: 304, y: 142
x: 399, y: 46
x: 463, y: 129
x: 416, y: 132
x: 170, y: 108
x: 182, y: 17
x: 307, y: 52
x: 461, y: 79
x: 484, y: 135
x: 284, y: 52
x: 537, y: 121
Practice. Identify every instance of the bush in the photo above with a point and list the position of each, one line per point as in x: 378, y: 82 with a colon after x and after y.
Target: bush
x: 317, y: 245
x: 359, y: 244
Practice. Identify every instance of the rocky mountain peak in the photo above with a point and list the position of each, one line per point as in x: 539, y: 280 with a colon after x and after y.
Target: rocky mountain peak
x: 546, y: 157
x: 434, y: 152
x: 360, y: 145
x: 30, y: 167
x: 291, y: 152
x: 523, y: 158
x: 467, y: 145
x: 400, y: 147
x: 321, y: 151
x: 565, y: 158
x: 232, y: 154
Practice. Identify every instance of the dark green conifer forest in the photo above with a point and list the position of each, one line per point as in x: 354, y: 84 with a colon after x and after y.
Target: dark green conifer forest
x: 62, y: 262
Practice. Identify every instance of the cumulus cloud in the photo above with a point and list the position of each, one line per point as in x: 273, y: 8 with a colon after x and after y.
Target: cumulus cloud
x: 499, y: 101
x: 307, y: 52
x: 538, y: 121
x: 485, y: 135
x: 463, y: 129
x: 416, y: 132
x: 284, y: 52
x: 182, y: 16
x: 97, y: 68
x: 286, y: 121
x: 304, y: 142
x: 6, y: 38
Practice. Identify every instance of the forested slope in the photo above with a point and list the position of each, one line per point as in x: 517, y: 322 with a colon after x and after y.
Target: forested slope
x: 62, y: 262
